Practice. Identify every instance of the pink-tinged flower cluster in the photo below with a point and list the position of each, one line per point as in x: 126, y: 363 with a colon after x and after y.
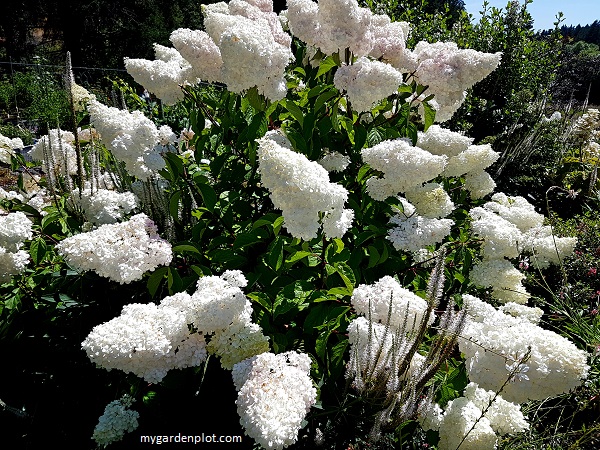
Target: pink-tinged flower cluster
x: 244, y: 46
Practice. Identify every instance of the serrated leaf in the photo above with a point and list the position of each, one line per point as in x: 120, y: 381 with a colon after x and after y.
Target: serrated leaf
x: 374, y: 137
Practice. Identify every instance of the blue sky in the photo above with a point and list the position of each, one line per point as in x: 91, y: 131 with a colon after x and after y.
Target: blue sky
x: 581, y: 12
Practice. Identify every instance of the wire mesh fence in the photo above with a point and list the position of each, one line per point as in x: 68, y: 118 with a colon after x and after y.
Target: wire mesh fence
x: 33, y: 93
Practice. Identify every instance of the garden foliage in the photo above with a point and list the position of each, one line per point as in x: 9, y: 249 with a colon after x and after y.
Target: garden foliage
x: 312, y: 227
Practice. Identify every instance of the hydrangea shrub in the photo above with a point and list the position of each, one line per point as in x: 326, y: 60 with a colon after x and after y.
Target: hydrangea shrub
x: 324, y: 217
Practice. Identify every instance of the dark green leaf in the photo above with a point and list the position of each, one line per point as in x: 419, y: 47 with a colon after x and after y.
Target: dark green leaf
x: 155, y: 280
x: 208, y: 195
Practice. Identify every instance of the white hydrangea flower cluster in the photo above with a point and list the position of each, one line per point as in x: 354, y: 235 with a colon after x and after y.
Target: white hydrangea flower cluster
x: 374, y: 301
x: 430, y: 200
x: 466, y: 415
x: 103, y: 206
x: 163, y: 76
x: 34, y: 195
x: 244, y: 46
x: 12, y: 263
x: 15, y: 228
x: 7, y: 145
x: 122, y: 252
x: 146, y: 340
x: 588, y: 124
x: 450, y: 71
x: 56, y: 153
x: 334, y: 161
x: 494, y: 344
x: 334, y: 25
x: 132, y: 138
x: 510, y: 226
x: 149, y: 340
x: 463, y: 158
x: 302, y: 190
x: 117, y: 420
x: 413, y: 233
x: 516, y: 210
x: 545, y: 247
x: 403, y: 165
x: 275, y: 392
x: 367, y: 82
x: 504, y: 279
x: 81, y: 97
x: 531, y: 314
x: 220, y: 311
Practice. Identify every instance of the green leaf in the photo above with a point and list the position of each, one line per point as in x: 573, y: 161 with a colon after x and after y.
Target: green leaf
x: 347, y: 274
x: 458, y: 276
x: 374, y: 256
x: 262, y: 299
x: 38, y: 250
x: 298, y: 256
x: 256, y: 129
x: 246, y: 239
x: 337, y: 359
x: 208, y: 195
x: 174, y: 205
x: 155, y: 280
x: 360, y: 136
x: 321, y: 99
x: 186, y: 248
x: 321, y: 345
x: 255, y: 99
x: 292, y: 297
x: 429, y: 115
x: 374, y: 137
x: 295, y: 110
x: 326, y: 65
x: 174, y: 163
x: 324, y: 314
x: 174, y: 281
x: 275, y: 256
x: 277, y: 224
